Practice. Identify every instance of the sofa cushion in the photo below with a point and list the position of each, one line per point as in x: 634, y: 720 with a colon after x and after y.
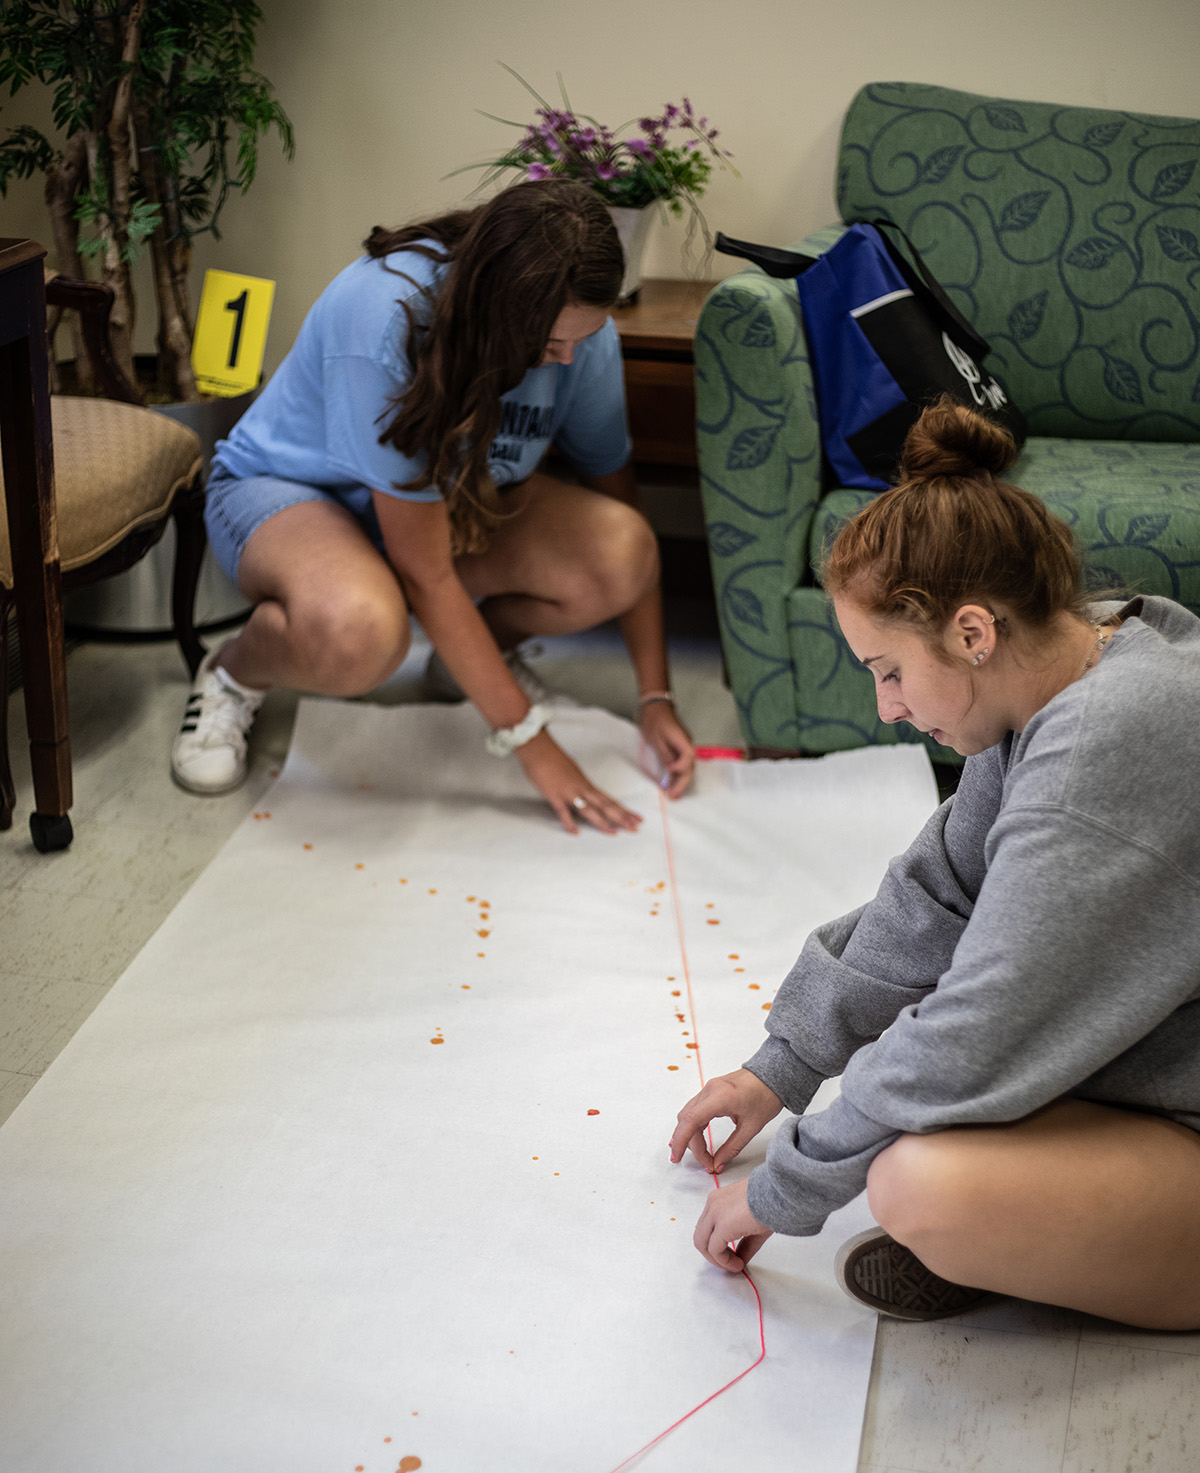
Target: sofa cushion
x: 1067, y: 235
x: 1134, y: 507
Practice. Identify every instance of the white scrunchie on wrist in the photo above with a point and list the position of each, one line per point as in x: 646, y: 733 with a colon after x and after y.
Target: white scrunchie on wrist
x: 506, y: 739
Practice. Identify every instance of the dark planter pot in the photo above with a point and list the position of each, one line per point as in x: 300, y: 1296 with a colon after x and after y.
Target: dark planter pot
x: 139, y: 602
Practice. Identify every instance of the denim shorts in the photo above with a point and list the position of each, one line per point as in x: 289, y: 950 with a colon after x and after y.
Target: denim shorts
x: 236, y: 506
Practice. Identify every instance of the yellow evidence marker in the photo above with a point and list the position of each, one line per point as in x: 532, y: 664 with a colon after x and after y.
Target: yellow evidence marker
x: 231, y: 332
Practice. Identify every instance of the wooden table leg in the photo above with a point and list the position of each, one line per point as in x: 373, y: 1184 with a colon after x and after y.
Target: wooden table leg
x: 28, y: 458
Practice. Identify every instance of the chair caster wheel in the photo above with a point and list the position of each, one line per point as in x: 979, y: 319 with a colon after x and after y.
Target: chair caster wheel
x: 50, y: 831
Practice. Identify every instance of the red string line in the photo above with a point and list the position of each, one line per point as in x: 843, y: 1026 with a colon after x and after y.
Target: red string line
x: 687, y: 979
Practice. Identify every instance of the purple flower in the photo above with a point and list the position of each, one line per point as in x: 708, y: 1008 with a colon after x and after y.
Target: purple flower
x: 605, y: 171
x: 537, y: 171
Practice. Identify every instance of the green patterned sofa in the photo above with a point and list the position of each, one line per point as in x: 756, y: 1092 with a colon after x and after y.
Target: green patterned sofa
x: 1071, y: 238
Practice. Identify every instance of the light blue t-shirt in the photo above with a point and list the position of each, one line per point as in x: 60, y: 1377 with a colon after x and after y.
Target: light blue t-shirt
x: 319, y: 418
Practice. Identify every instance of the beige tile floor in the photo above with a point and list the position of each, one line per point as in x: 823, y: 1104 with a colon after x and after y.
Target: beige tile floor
x: 1016, y: 1388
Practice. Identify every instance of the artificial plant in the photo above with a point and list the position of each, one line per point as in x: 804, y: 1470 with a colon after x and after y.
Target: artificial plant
x: 157, y: 115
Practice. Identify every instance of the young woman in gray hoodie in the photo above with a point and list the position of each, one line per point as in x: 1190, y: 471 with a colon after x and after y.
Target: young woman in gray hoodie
x: 1015, y: 1017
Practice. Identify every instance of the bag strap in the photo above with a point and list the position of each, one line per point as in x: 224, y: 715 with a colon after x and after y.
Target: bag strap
x: 918, y: 276
x: 774, y: 262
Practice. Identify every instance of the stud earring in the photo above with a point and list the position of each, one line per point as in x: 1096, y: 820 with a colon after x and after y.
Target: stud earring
x: 981, y: 657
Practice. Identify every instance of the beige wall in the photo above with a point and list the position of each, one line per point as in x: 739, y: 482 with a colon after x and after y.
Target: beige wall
x: 383, y: 96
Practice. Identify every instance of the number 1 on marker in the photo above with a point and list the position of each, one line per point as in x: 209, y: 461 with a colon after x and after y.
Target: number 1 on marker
x: 231, y: 332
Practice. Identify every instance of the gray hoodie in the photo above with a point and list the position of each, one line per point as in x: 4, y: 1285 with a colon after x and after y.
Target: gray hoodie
x: 1039, y: 939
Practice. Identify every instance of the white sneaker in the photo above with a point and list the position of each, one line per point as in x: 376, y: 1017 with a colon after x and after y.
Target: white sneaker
x: 209, y: 755
x: 440, y: 685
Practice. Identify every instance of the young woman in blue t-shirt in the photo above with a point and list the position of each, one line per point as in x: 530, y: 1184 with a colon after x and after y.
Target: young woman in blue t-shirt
x: 389, y: 471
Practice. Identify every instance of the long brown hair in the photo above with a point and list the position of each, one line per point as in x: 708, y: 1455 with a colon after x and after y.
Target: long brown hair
x: 515, y: 263
x: 952, y: 531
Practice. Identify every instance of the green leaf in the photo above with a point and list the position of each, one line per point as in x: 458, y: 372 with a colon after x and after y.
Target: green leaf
x: 725, y: 539
x: 746, y: 607
x: 1092, y: 254
x: 751, y: 447
x: 939, y: 163
x: 1178, y: 244
x: 1021, y: 211
x: 1004, y: 119
x: 1122, y: 381
x: 760, y: 331
x: 1100, y: 135
x: 1173, y: 178
x: 1143, y: 530
x: 1026, y: 317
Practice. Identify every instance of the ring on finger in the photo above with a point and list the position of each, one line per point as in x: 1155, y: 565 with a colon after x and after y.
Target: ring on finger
x: 579, y: 804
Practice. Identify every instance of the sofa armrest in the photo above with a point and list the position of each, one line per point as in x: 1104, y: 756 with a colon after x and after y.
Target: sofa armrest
x: 759, y: 451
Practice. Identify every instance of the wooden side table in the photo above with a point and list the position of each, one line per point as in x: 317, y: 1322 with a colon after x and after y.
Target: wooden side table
x: 656, y: 343
x: 28, y: 459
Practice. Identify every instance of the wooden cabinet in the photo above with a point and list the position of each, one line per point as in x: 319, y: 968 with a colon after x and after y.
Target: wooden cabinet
x: 656, y: 344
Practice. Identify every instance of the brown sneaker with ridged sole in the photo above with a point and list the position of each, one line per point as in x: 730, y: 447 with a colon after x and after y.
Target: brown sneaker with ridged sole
x: 890, y: 1279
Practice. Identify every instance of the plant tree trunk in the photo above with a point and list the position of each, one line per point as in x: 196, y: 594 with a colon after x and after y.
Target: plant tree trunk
x: 170, y: 257
x: 116, y: 273
x: 62, y: 185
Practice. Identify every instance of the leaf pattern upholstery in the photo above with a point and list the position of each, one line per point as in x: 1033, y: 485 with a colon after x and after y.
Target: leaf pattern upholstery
x: 1071, y: 238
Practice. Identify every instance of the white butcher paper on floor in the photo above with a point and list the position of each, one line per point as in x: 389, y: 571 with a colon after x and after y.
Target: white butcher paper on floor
x: 333, y: 1179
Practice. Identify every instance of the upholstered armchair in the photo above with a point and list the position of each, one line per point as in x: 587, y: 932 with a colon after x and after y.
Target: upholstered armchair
x: 1070, y: 237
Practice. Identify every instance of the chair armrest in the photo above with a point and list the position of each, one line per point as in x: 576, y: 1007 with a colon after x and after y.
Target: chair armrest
x: 93, y: 301
x: 759, y: 450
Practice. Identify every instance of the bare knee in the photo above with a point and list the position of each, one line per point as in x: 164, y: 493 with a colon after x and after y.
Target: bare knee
x: 921, y: 1193
x: 349, y: 642
x: 621, y: 563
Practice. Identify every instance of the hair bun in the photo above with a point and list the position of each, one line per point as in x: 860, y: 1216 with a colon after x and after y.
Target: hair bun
x: 952, y: 440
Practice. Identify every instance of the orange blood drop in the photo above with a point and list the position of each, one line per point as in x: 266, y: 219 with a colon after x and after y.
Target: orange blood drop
x: 593, y: 1112
x: 409, y: 1464
x: 433, y: 892
x: 711, y: 922
x: 266, y: 815
x: 308, y: 846
x: 483, y: 933
x: 466, y: 987
x: 752, y: 986
x: 481, y: 953
x: 674, y: 990
x: 739, y: 969
x: 470, y: 900
x: 733, y: 957
x: 360, y: 866
x: 437, y: 1040
x: 708, y: 905
x: 404, y: 882
x: 670, y: 979
x: 766, y: 1007
x: 693, y: 1045
x: 533, y: 1158
x: 672, y: 1066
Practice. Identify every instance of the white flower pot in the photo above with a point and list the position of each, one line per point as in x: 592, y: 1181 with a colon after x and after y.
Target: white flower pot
x: 633, y: 226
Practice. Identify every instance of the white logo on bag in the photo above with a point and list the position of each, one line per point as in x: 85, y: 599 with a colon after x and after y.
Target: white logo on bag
x: 986, y: 395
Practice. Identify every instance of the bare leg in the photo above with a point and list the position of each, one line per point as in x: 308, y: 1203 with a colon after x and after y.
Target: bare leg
x: 568, y: 560
x: 329, y: 615
x: 1080, y: 1205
